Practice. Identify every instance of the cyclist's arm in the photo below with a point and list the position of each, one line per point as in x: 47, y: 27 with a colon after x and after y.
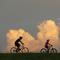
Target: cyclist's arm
x: 50, y: 44
x: 21, y: 42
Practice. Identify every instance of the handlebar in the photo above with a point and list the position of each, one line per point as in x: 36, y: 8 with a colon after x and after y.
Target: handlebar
x: 51, y: 45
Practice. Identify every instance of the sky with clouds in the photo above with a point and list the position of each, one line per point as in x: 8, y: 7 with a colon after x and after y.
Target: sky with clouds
x: 26, y: 14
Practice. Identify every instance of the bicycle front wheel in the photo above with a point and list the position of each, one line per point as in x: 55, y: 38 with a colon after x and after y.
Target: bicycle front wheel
x: 13, y: 50
x: 25, y: 50
x: 53, y: 50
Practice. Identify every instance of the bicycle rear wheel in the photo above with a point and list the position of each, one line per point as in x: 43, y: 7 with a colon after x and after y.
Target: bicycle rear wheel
x: 43, y: 50
x: 13, y: 50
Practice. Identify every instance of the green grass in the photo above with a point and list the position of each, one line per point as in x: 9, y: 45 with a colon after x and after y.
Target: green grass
x: 29, y: 56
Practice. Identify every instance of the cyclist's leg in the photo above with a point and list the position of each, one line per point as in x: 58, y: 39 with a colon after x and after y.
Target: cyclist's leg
x: 47, y: 48
x: 17, y: 45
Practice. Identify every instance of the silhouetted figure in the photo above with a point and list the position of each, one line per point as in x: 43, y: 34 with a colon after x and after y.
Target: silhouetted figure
x: 47, y: 45
x: 17, y: 44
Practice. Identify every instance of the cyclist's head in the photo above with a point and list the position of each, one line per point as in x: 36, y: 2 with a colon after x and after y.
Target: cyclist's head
x: 48, y: 40
x: 20, y: 37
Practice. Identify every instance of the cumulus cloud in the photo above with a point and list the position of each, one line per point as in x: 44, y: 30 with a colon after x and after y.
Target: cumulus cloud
x: 12, y: 35
x: 49, y: 30
x: 46, y: 30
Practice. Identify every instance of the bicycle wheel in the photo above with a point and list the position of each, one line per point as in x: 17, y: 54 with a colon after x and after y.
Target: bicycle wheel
x: 53, y: 50
x: 43, y: 50
x: 25, y: 50
x: 13, y: 50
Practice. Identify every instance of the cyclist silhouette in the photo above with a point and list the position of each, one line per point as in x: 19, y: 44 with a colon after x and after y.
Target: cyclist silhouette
x: 17, y: 44
x: 48, y: 48
x: 47, y: 45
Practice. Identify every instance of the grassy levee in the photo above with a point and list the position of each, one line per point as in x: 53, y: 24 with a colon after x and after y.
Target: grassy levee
x: 29, y: 56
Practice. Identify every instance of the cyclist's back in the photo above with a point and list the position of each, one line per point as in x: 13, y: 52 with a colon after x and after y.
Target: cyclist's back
x: 47, y: 44
x: 17, y: 41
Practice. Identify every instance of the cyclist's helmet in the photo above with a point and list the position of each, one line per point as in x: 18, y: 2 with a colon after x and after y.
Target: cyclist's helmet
x: 20, y: 37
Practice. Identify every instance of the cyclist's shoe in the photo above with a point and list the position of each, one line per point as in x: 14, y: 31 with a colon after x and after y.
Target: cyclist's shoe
x: 19, y: 49
x: 47, y: 51
x: 16, y: 50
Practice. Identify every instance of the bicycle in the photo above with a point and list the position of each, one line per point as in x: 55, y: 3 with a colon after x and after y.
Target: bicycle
x: 51, y: 50
x: 22, y: 49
